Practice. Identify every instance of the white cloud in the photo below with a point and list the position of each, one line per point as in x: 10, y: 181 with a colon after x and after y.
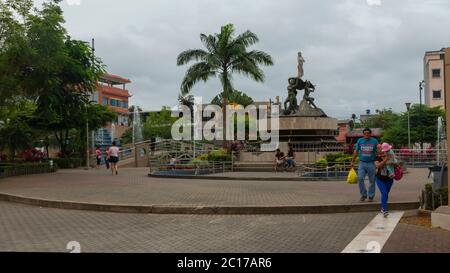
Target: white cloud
x: 374, y: 2
x: 73, y: 2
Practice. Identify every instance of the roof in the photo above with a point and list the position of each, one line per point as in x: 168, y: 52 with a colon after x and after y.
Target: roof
x: 114, y: 79
x: 113, y: 91
x: 118, y: 109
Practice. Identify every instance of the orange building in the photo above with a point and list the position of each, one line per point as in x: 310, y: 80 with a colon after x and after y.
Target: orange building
x: 112, y: 92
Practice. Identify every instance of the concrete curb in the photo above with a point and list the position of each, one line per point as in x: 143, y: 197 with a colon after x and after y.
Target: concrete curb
x: 219, y: 210
x: 202, y: 177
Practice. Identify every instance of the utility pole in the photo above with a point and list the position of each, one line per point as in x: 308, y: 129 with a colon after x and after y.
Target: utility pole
x: 408, y: 105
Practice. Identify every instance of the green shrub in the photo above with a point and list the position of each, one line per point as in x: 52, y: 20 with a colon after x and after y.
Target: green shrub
x: 203, y: 157
x: 219, y: 156
x: 199, y: 162
x: 25, y: 168
x: 335, y: 159
x: 322, y: 162
x: 427, y: 201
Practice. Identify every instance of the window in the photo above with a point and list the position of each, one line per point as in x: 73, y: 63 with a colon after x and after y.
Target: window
x: 105, y: 101
x: 114, y: 102
x: 436, y: 73
x: 94, y: 97
x: 436, y: 94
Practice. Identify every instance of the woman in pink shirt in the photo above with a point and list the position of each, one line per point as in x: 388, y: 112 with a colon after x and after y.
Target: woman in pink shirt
x: 114, y: 157
x: 98, y: 156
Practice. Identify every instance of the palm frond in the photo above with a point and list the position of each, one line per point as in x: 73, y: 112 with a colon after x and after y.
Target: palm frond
x: 190, y: 55
x: 198, y: 72
x: 260, y: 57
x: 246, y: 39
x: 210, y: 42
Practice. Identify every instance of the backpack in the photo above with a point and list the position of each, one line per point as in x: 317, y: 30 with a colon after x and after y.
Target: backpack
x: 398, y: 173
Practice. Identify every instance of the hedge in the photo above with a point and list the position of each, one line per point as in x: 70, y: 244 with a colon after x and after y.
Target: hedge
x: 10, y: 169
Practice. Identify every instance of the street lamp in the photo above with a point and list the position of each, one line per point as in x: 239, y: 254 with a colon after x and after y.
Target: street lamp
x: 421, y: 85
x: 408, y: 105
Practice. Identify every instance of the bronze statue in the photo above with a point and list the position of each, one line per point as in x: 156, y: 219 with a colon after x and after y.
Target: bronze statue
x: 309, y: 87
x: 307, y: 106
x: 292, y: 100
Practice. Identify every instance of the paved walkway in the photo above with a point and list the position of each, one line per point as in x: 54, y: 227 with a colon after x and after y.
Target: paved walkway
x: 134, y: 187
x: 32, y: 229
x: 408, y: 238
x: 28, y: 228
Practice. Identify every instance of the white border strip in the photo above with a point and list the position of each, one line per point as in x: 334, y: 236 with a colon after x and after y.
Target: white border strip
x: 375, y: 235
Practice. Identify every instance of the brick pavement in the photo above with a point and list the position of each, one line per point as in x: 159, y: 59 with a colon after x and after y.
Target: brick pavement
x: 408, y: 238
x: 134, y: 187
x: 33, y: 229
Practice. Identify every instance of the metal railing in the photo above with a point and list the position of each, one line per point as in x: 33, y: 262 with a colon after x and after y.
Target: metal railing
x: 174, y: 145
x: 189, y: 168
x: 186, y: 160
x: 332, y: 169
x: 298, y: 147
x: 421, y: 157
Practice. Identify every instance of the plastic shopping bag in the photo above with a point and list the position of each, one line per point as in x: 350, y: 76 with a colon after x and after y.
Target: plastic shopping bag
x: 352, y: 177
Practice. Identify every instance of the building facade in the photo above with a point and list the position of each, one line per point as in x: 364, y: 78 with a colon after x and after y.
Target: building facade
x: 434, y: 90
x: 112, y: 92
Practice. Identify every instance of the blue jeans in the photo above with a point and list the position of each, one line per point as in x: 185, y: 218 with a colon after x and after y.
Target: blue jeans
x: 385, y: 188
x: 369, y: 169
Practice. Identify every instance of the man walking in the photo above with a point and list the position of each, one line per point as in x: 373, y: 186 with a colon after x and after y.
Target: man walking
x: 366, y: 148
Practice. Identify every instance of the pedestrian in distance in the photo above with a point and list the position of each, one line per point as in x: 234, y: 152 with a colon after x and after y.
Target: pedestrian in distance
x: 366, y: 149
x: 107, y: 154
x: 385, y: 175
x: 98, y: 156
x: 114, y: 158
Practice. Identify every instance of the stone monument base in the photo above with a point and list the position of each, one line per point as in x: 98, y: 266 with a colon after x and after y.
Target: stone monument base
x: 441, y: 217
x: 307, y: 110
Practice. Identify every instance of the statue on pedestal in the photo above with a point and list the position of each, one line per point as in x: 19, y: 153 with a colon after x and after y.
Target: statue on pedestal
x: 307, y: 106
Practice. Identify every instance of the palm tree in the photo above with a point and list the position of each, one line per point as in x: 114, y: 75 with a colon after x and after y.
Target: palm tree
x: 225, y: 54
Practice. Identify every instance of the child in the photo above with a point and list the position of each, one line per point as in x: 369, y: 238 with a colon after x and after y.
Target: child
x: 392, y: 161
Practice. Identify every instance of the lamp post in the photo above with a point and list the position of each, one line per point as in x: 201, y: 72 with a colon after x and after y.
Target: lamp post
x: 421, y: 85
x: 408, y: 105
x: 421, y: 88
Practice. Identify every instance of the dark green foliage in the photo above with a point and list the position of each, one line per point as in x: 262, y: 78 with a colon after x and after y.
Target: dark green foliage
x: 235, y: 97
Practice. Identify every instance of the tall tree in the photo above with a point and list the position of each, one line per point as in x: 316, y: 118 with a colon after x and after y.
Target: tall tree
x: 225, y: 54
x: 15, y: 49
x: 235, y: 96
x: 159, y: 124
x: 384, y: 119
x: 423, y: 126
x: 15, y: 130
x: 64, y: 73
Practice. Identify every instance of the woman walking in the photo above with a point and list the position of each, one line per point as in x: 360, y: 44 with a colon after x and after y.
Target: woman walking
x: 107, y: 157
x: 114, y: 157
x: 384, y: 179
x: 98, y: 156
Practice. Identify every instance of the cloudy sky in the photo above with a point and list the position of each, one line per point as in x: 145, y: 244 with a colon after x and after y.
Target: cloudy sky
x: 361, y: 54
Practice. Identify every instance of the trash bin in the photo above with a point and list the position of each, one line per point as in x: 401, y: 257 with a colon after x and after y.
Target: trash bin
x: 440, y: 177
